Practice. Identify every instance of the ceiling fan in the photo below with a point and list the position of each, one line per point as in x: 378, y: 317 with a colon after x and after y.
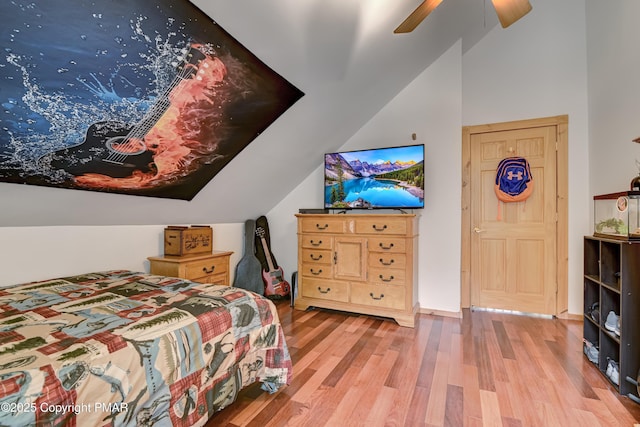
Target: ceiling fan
x: 508, y: 11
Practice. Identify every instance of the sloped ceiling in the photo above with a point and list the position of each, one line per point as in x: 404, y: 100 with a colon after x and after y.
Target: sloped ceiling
x: 342, y: 54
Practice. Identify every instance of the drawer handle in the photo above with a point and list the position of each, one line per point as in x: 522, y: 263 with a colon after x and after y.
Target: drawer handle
x: 383, y: 262
x: 322, y: 227
x: 318, y: 258
x: 314, y: 243
x: 213, y: 267
x: 386, y: 280
x: 316, y: 273
x: 376, y: 298
x: 375, y: 227
x: 386, y: 247
x: 324, y: 292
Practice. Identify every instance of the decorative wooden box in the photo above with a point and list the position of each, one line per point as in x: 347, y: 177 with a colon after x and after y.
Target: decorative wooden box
x: 181, y: 240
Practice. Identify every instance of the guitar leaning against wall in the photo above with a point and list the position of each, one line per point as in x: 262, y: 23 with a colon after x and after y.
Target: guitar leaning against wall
x: 276, y: 287
x: 249, y: 269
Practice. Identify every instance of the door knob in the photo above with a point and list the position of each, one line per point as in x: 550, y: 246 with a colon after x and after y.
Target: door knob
x: 478, y: 230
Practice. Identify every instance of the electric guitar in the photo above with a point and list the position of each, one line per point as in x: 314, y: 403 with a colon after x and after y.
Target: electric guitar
x: 274, y: 283
x: 116, y: 149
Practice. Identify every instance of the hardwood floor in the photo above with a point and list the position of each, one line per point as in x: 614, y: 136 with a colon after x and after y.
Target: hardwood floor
x: 487, y: 369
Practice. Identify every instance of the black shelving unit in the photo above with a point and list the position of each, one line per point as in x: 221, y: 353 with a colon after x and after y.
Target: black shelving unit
x: 612, y: 279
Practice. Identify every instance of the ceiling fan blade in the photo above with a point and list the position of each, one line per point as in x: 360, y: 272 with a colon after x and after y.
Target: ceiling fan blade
x: 509, y: 11
x: 417, y: 16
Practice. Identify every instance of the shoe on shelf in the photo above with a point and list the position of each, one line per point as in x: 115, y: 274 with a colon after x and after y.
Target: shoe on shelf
x: 611, y: 322
x: 609, y: 368
x: 613, y: 371
x: 591, y: 351
x: 617, y: 329
x: 594, y: 312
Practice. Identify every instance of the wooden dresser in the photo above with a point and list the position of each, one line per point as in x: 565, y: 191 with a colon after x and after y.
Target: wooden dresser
x: 205, y: 268
x: 362, y: 263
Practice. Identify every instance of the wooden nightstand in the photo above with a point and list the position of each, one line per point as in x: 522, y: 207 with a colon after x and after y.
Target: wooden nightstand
x: 205, y: 268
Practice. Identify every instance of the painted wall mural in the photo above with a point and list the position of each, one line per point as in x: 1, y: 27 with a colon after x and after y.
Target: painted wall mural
x: 127, y: 96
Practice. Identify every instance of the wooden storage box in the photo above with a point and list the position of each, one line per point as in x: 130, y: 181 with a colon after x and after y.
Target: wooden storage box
x: 180, y: 240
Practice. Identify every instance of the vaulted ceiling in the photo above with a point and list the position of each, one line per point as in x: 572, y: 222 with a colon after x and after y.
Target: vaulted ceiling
x: 342, y: 54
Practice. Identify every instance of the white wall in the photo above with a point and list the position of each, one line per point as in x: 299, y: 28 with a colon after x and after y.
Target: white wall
x: 613, y: 37
x: 38, y: 253
x: 430, y: 106
x: 538, y: 68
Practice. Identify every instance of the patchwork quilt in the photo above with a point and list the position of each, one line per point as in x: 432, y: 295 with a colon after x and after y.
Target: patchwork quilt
x: 125, y: 348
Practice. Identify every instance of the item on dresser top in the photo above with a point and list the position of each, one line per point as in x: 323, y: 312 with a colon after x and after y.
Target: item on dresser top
x: 181, y: 240
x: 249, y: 270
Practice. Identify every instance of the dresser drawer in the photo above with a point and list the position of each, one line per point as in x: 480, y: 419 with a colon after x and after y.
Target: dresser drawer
x: 322, y: 225
x: 387, y: 244
x: 378, y: 296
x: 196, y: 270
x: 387, y: 276
x: 316, y: 256
x: 383, y: 225
x: 316, y: 270
x: 325, y: 289
x: 316, y: 241
x: 387, y: 260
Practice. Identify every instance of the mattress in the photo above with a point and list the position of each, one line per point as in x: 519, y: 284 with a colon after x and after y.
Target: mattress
x: 128, y: 348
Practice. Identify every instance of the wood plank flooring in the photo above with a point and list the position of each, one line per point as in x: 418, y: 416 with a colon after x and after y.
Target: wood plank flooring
x: 487, y: 369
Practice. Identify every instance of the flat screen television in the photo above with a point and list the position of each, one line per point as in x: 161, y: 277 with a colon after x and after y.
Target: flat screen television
x: 378, y: 178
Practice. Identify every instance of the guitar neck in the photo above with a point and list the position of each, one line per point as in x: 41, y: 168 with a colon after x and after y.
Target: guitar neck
x: 267, y: 254
x: 163, y: 102
x: 140, y: 130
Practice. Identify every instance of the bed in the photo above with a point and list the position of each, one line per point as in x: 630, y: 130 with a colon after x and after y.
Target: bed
x: 127, y: 348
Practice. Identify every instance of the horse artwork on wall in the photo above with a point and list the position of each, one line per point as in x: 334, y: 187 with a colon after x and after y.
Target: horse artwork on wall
x: 132, y: 97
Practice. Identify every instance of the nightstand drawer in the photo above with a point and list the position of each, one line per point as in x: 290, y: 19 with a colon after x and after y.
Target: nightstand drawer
x: 200, y: 269
x: 209, y: 268
x: 216, y: 279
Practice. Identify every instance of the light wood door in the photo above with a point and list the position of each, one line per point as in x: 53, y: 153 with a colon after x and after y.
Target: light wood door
x: 513, y: 245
